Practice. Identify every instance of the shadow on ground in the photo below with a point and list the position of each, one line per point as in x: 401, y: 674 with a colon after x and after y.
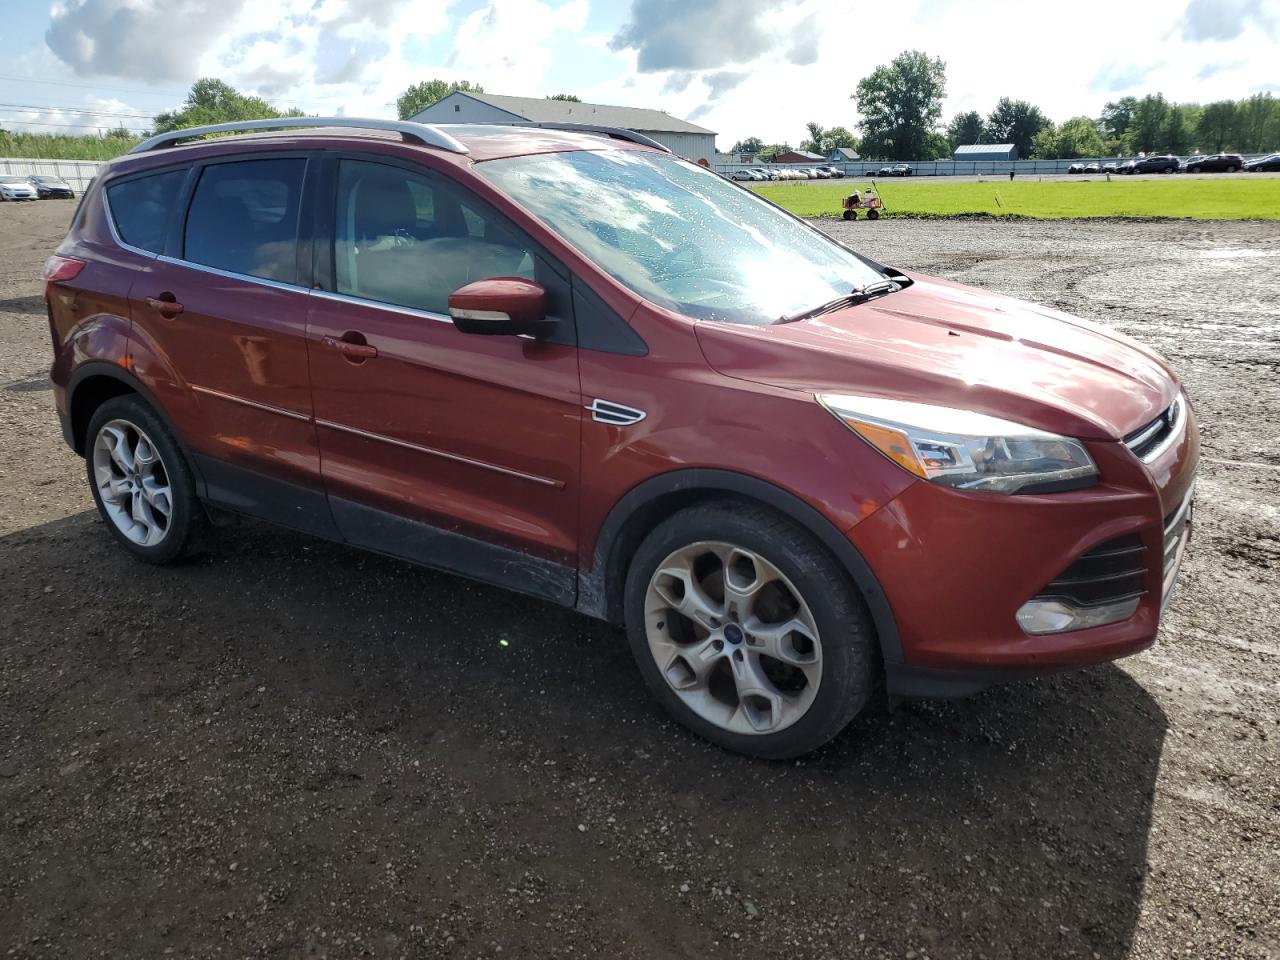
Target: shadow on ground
x: 286, y: 746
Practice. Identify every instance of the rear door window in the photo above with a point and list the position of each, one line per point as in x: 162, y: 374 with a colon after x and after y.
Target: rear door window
x: 140, y: 208
x: 244, y: 218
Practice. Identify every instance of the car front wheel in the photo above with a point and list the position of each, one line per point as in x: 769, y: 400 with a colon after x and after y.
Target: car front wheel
x: 140, y: 481
x: 748, y: 631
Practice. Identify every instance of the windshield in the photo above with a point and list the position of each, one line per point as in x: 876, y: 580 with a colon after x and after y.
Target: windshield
x: 679, y: 235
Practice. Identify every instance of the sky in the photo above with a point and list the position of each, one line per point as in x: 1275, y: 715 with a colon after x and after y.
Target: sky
x: 739, y: 67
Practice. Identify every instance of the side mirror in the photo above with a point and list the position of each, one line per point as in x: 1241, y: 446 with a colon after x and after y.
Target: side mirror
x: 500, y: 305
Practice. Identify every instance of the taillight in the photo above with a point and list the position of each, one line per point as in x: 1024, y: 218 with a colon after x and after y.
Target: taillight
x: 57, y: 269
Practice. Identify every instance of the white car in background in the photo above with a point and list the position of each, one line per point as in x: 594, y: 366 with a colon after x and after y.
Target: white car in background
x: 17, y: 188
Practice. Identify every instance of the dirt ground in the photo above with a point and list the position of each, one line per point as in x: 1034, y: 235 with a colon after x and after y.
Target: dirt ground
x: 287, y: 748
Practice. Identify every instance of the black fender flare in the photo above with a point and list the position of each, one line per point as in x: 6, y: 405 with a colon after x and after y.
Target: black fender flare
x: 598, y: 587
x: 104, y: 368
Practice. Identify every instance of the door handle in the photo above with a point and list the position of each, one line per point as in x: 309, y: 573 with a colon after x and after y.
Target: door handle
x: 165, y: 307
x: 351, y: 349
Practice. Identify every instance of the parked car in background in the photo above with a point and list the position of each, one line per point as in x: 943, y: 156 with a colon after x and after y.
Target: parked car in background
x: 1093, y: 168
x: 1217, y: 163
x: 418, y: 344
x: 902, y: 170
x: 1158, y: 164
x: 833, y: 172
x: 1127, y: 166
x: 17, y: 188
x: 1076, y: 168
x: 820, y: 173
x: 52, y: 188
x: 1111, y: 166
x: 1269, y: 164
x: 886, y: 171
x: 765, y: 173
x: 743, y: 175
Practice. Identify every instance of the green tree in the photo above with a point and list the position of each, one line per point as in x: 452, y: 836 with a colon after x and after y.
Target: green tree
x: 1257, y: 123
x: 966, y: 128
x: 1016, y: 122
x: 816, y: 133
x: 772, y: 149
x: 1077, y: 137
x: 1179, y: 126
x: 555, y: 96
x: 901, y: 104
x: 212, y: 101
x: 1150, y: 123
x: 749, y: 145
x: 1116, y: 117
x: 419, y: 96
x: 1216, y: 126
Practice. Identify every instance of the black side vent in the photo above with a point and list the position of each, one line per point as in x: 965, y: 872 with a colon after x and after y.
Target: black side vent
x: 1109, y: 573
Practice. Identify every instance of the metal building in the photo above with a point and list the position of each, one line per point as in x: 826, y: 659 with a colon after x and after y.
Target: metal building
x: 987, y: 151
x: 681, y: 137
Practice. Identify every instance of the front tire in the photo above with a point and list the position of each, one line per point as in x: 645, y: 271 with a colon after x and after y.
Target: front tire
x: 141, y: 482
x: 748, y: 631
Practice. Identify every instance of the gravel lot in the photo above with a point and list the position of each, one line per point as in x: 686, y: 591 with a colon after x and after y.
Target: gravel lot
x: 288, y: 748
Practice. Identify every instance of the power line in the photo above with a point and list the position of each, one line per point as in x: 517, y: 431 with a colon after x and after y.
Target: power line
x: 95, y: 113
x: 88, y: 127
x: 117, y: 89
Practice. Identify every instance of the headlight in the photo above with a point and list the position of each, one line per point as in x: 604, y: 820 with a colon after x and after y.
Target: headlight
x: 960, y: 448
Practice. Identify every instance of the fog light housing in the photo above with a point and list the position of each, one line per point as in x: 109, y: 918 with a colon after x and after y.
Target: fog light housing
x: 1038, y: 617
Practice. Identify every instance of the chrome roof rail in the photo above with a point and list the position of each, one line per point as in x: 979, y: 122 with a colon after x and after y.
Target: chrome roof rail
x: 421, y: 133
x: 620, y: 132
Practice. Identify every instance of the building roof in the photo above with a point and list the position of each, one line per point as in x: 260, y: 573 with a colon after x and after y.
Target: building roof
x: 568, y: 111
x: 983, y: 148
x: 805, y: 154
x: 847, y: 152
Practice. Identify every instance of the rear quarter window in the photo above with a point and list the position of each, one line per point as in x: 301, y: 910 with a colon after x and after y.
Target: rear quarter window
x: 140, y: 208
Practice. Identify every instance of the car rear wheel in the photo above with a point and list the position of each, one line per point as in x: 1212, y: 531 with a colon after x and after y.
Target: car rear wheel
x: 140, y: 481
x: 748, y: 631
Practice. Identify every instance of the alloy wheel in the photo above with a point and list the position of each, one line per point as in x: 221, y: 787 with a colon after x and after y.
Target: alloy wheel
x: 132, y: 482
x: 733, y: 638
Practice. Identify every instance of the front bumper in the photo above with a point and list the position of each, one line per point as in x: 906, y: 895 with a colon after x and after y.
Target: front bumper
x: 955, y: 568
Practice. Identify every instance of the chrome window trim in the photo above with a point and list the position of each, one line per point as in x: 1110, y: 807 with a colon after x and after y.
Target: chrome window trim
x: 432, y: 451
x: 381, y: 305
x: 218, y: 272
x: 233, y: 398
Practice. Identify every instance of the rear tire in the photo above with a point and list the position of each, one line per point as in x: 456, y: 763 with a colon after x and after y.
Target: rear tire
x: 140, y: 481
x: 873, y: 214
x: 748, y: 631
x: 851, y: 214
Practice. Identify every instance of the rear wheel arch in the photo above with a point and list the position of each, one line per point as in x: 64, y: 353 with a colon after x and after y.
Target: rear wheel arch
x: 602, y: 588
x: 96, y: 382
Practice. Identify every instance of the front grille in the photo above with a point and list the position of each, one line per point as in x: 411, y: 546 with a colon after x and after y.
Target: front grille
x: 1109, y: 573
x: 1150, y: 440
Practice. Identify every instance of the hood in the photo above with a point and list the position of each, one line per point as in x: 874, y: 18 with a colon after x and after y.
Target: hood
x: 944, y: 343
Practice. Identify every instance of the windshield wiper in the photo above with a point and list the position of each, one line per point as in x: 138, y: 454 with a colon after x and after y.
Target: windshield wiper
x: 861, y: 295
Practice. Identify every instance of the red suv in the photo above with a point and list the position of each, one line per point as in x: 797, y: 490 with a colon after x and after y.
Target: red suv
x: 569, y: 363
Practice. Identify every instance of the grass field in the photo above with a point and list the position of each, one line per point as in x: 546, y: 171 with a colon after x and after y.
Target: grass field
x: 1233, y: 197
x: 54, y: 147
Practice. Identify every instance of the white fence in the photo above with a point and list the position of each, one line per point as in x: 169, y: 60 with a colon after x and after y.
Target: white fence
x: 77, y: 173
x: 944, y: 168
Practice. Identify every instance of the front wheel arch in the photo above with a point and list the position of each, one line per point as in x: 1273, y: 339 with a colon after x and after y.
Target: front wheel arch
x: 601, y: 588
